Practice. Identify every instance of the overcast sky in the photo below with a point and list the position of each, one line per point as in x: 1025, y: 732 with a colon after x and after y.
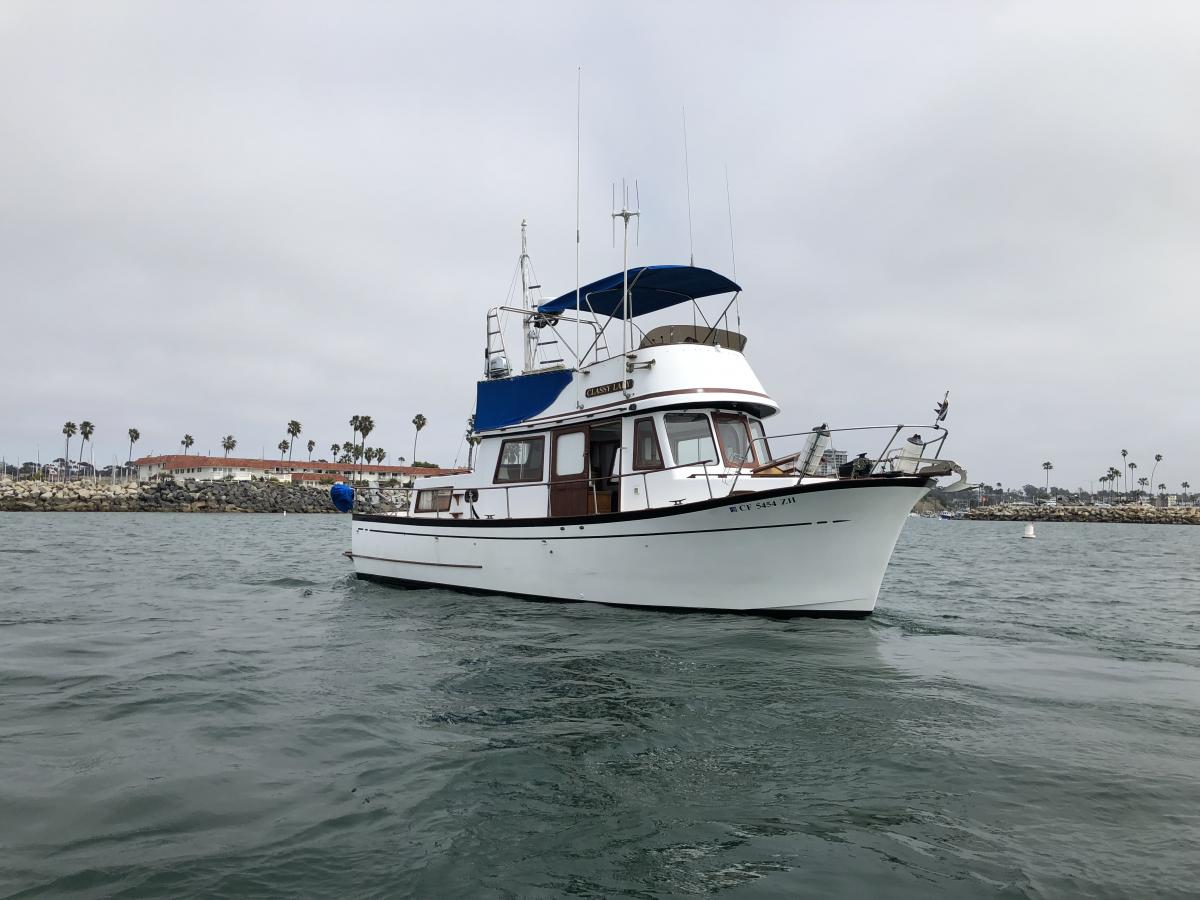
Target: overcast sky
x: 216, y: 217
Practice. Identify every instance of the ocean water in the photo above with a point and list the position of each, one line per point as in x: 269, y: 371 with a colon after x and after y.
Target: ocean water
x: 201, y: 705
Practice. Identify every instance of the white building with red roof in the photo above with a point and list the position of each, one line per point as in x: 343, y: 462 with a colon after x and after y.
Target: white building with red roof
x: 217, y: 468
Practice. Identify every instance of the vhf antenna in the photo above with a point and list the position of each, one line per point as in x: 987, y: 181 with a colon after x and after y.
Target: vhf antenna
x: 729, y: 208
x: 687, y: 179
x: 625, y: 214
x: 637, y: 234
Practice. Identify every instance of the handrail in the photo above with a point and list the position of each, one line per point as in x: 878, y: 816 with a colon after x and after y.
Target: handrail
x: 940, y: 440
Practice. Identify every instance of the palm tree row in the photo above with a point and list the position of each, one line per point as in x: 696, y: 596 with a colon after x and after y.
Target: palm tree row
x: 1126, y: 472
x: 85, y: 430
x: 352, y: 451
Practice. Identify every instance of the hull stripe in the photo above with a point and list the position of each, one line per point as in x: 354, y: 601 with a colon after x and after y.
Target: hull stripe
x: 413, y: 562
x: 592, y: 537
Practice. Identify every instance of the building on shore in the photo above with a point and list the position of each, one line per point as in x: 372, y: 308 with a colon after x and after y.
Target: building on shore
x: 831, y: 459
x: 217, y: 468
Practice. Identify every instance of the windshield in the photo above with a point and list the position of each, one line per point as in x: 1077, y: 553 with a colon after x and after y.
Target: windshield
x: 761, y: 448
x: 690, y: 438
x: 735, y: 439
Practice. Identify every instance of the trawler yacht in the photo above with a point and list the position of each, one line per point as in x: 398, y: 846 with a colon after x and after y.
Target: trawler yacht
x: 639, y: 469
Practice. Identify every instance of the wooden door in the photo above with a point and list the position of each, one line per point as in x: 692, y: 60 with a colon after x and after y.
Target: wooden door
x: 569, y: 472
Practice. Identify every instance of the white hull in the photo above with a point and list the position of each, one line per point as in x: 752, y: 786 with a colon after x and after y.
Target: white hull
x: 813, y: 549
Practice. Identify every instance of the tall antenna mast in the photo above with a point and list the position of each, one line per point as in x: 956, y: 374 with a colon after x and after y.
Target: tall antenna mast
x: 530, y: 333
x: 625, y: 215
x: 687, y: 178
x: 729, y: 207
x: 578, y: 196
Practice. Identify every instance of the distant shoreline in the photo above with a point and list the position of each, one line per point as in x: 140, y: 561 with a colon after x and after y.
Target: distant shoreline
x: 267, y: 496
x: 1128, y: 515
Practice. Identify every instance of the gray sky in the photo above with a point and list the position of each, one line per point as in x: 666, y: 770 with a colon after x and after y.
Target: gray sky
x: 217, y: 218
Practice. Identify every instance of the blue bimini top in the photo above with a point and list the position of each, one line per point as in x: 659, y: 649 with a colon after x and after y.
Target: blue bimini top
x: 651, y: 288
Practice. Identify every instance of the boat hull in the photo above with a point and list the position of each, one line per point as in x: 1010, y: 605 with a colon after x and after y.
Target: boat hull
x: 818, y: 549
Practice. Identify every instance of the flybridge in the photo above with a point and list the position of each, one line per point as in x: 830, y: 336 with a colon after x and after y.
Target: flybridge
x: 569, y: 335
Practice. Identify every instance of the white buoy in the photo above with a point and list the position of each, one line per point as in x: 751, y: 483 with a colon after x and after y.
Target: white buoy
x: 1029, y: 531
x: 285, y: 513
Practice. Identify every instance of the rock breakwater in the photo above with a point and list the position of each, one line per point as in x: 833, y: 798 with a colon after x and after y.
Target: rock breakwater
x: 164, y: 496
x: 1130, y: 515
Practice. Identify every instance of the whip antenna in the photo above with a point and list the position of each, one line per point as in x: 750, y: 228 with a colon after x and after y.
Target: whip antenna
x: 578, y: 194
x: 637, y: 203
x: 729, y: 207
x: 687, y: 180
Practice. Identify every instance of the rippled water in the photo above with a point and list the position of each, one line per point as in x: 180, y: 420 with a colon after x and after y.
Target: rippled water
x: 203, y: 705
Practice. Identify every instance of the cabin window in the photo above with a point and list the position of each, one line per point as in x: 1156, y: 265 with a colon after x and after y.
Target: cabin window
x: 435, y: 500
x: 520, y: 460
x: 646, y: 453
x: 758, y: 440
x: 690, y: 438
x: 735, y: 439
x: 569, y: 457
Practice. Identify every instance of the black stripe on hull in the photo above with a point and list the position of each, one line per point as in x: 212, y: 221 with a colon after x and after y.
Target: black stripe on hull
x: 599, y: 537
x: 908, y: 481
x: 482, y: 592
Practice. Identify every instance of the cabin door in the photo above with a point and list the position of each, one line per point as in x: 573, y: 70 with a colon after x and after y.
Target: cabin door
x: 569, y: 473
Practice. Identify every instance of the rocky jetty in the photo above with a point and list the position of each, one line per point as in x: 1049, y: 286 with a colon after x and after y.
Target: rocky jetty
x: 1130, y: 515
x: 169, y: 496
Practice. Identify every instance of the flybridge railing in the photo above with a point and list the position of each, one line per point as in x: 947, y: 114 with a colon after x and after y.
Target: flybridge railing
x: 892, y: 461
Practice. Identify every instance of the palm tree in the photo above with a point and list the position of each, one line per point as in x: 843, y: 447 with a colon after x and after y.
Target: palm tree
x: 134, y: 437
x: 1047, y: 466
x: 336, y: 450
x: 365, y: 426
x: 293, y: 430
x: 228, y: 443
x: 86, y: 430
x: 1162, y: 488
x: 1157, y: 459
x: 473, y: 439
x: 187, y: 441
x: 69, y: 431
x: 1114, y: 476
x: 1144, y: 482
x: 369, y: 455
x: 311, y: 445
x: 1185, y: 486
x: 355, y: 421
x: 1132, y: 468
x: 380, y: 455
x: 418, y: 423
x: 283, y: 448
x: 1124, y: 453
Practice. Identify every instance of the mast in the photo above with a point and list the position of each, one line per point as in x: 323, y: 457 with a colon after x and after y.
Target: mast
x: 578, y: 157
x: 530, y: 331
x: 625, y: 215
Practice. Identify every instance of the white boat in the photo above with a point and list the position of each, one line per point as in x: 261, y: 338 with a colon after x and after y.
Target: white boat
x: 644, y: 474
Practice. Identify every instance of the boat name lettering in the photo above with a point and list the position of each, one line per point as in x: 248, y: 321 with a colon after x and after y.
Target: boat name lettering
x: 611, y: 388
x: 762, y: 504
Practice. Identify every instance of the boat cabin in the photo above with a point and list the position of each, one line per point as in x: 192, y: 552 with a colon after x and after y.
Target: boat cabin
x: 671, y: 415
